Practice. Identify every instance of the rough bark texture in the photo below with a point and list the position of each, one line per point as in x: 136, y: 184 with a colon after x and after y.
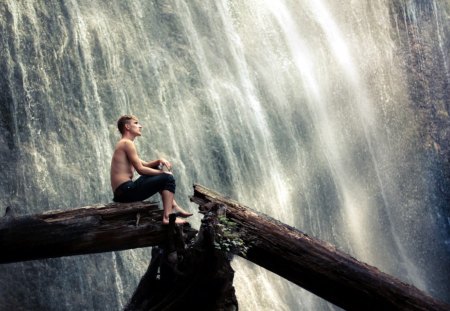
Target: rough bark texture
x: 90, y: 229
x: 315, y: 265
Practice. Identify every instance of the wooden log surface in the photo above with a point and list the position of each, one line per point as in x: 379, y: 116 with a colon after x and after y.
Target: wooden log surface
x: 90, y: 229
x: 315, y: 265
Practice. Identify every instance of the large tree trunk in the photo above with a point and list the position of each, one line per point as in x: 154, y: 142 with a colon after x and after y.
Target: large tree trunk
x: 90, y: 229
x: 198, y: 277
x: 315, y: 265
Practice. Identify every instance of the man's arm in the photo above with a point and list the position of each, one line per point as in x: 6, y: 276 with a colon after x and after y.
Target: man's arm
x: 131, y: 152
x: 151, y: 164
x: 156, y: 163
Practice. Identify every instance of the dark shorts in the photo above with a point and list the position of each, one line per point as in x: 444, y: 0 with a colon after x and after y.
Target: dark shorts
x: 144, y: 187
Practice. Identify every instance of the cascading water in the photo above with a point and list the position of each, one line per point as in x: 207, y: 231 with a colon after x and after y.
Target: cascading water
x: 304, y: 110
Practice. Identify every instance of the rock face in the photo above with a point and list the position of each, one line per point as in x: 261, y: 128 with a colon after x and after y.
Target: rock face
x: 424, y: 33
x: 424, y: 39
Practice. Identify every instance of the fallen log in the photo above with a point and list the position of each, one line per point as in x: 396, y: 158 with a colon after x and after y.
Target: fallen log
x: 91, y: 229
x: 315, y: 265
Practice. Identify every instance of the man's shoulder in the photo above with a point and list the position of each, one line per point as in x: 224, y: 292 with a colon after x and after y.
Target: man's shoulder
x: 124, y: 145
x: 124, y: 142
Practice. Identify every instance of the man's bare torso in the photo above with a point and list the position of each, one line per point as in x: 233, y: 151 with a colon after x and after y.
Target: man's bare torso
x: 121, y: 168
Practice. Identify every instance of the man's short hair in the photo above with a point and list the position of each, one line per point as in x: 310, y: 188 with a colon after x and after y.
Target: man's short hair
x: 125, y: 119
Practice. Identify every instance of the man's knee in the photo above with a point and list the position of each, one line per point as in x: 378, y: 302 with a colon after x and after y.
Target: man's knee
x: 169, y: 183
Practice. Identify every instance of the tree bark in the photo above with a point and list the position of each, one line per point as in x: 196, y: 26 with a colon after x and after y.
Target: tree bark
x: 90, y: 229
x: 315, y: 265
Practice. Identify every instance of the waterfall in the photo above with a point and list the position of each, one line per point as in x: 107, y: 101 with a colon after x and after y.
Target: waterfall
x: 328, y: 116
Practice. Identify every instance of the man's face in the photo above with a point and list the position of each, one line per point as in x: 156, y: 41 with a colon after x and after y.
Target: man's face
x: 135, y: 127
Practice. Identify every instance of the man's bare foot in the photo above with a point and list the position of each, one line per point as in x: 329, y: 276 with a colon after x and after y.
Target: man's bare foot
x: 181, y: 212
x: 177, y: 221
x: 180, y: 221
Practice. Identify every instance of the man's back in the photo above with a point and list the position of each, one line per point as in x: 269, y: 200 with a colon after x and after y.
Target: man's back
x: 121, y: 168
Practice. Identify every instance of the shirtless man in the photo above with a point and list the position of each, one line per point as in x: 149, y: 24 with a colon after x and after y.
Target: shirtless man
x: 152, y: 180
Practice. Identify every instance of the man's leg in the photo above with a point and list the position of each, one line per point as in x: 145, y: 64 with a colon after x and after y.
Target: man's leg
x: 167, y: 198
x: 146, y: 186
x: 177, y: 209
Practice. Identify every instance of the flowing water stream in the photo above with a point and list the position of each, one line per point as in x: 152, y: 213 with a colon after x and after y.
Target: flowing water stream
x: 303, y: 110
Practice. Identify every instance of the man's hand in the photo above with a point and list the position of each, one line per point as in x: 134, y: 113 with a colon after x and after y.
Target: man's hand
x: 165, y: 163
